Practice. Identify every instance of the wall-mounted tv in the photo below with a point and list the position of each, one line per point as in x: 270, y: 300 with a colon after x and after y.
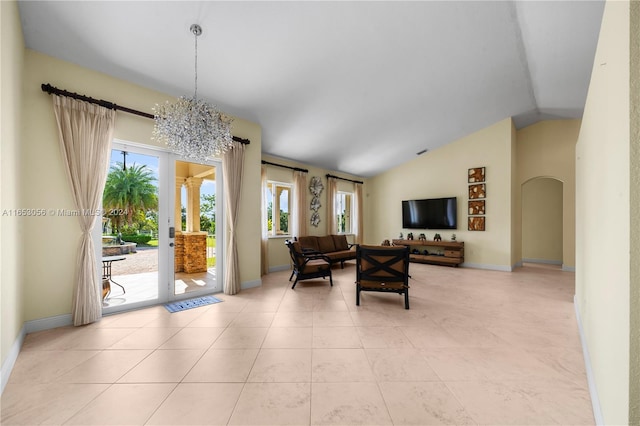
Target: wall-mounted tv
x: 432, y: 213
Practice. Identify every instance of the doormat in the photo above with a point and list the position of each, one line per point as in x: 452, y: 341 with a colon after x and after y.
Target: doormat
x: 183, y: 305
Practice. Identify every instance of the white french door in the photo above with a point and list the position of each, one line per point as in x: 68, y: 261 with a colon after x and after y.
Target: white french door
x: 195, y: 229
x: 159, y: 247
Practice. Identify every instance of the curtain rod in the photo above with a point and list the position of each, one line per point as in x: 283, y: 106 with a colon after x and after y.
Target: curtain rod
x: 297, y: 169
x: 348, y: 180
x: 110, y: 105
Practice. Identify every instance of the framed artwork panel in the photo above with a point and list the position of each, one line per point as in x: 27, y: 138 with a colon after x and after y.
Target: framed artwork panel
x: 478, y: 190
x: 476, y: 174
x: 476, y: 223
x: 476, y: 208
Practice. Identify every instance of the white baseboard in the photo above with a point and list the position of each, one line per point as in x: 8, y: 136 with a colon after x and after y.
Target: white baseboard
x: 593, y: 391
x: 543, y: 261
x: 12, y: 357
x: 279, y: 268
x: 48, y: 323
x: 250, y: 284
x: 502, y: 268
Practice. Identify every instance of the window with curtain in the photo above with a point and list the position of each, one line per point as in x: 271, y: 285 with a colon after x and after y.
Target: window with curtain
x: 343, y: 212
x: 278, y: 200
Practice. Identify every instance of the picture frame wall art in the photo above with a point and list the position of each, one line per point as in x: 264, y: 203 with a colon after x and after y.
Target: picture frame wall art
x: 476, y: 223
x: 476, y: 177
x: 476, y: 208
x: 476, y: 174
x: 477, y: 191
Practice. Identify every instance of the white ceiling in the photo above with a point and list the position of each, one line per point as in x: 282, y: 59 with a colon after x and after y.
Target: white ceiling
x: 357, y: 87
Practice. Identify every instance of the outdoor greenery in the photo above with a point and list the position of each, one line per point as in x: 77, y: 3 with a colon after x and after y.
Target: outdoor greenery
x: 284, y: 219
x: 137, y: 238
x: 130, y: 193
x: 211, y: 242
x: 208, y: 213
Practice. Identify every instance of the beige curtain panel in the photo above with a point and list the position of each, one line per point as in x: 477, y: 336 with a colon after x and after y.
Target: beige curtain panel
x: 358, y: 228
x: 264, y: 246
x: 300, y: 203
x: 85, y: 131
x: 232, y: 170
x: 332, y: 191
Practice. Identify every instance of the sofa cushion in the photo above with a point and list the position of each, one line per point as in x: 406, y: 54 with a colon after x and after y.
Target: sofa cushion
x: 325, y: 244
x: 340, y: 242
x: 309, y: 242
x: 338, y: 256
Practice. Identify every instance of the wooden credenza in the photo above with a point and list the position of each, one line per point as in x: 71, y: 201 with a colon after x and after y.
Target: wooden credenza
x: 449, y: 253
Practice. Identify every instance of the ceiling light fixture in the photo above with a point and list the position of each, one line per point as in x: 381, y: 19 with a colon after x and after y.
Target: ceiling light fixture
x: 191, y: 127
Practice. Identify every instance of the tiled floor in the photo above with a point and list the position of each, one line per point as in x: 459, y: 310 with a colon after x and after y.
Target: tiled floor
x: 476, y: 347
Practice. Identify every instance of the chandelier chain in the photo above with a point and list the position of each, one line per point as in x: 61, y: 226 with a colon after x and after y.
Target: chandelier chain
x: 195, y: 93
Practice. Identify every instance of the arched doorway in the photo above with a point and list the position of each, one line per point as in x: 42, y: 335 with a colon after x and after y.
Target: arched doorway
x: 542, y: 221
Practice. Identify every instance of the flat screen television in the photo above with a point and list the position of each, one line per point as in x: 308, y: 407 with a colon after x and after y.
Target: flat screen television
x: 432, y: 213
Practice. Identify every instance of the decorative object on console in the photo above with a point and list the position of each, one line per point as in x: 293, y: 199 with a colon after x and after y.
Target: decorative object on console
x: 437, y: 237
x: 476, y: 223
x: 191, y: 127
x: 476, y: 207
x: 477, y: 191
x: 400, y: 236
x: 386, y: 243
x: 453, y: 237
x: 476, y: 174
x: 422, y: 237
x: 410, y: 236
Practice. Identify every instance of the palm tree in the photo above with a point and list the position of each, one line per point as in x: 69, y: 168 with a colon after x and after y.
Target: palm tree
x: 129, y: 190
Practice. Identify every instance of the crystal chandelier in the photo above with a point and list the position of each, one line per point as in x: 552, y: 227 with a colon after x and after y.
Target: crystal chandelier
x: 191, y: 127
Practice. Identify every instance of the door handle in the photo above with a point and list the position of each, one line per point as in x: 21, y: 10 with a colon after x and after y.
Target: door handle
x: 170, y: 244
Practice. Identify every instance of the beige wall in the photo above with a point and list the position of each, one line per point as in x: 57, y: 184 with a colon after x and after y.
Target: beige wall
x: 603, y: 216
x: 516, y: 200
x: 11, y: 67
x: 443, y: 173
x: 542, y: 220
x: 547, y: 149
x: 54, y: 240
x: 634, y: 158
x: 278, y: 252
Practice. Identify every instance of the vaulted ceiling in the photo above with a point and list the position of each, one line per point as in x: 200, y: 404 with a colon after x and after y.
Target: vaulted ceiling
x: 357, y: 87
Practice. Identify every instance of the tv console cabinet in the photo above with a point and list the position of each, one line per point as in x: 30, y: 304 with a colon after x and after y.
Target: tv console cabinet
x: 449, y: 253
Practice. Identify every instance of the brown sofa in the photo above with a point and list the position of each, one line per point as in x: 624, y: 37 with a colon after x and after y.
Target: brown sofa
x: 335, y: 247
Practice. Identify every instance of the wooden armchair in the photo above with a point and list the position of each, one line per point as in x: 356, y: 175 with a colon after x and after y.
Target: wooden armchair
x: 383, y: 269
x: 308, y: 265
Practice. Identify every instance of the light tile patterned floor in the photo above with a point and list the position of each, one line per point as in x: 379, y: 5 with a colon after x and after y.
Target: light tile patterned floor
x: 476, y: 347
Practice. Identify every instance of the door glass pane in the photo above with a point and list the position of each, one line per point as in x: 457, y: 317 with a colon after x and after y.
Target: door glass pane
x: 130, y: 229
x: 195, y: 243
